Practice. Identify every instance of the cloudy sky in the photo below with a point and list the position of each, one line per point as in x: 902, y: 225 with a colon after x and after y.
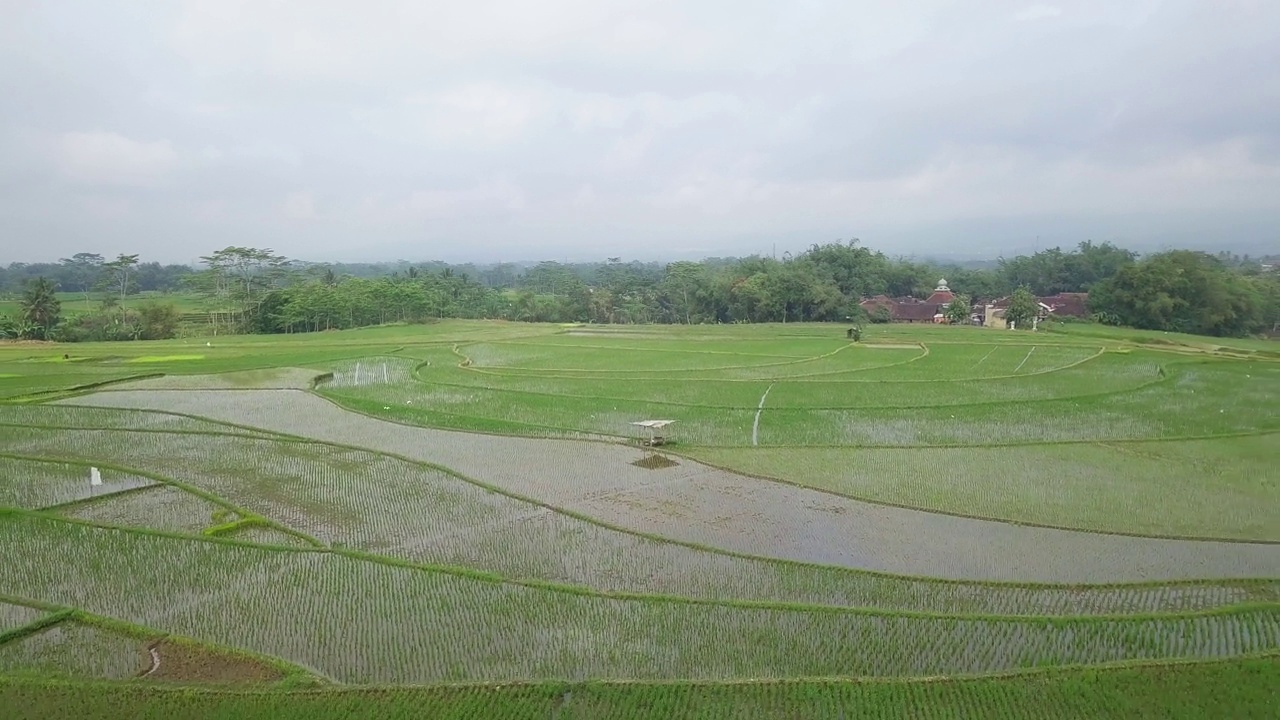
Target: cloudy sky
x: 580, y: 129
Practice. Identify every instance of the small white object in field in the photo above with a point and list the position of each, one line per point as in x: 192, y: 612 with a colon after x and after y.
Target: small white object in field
x: 408, y: 402
x: 208, y: 344
x: 386, y: 407
x: 95, y: 477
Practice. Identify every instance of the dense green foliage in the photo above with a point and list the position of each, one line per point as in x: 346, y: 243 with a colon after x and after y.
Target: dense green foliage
x: 1191, y: 292
x: 244, y: 289
x: 40, y: 309
x: 1022, y: 308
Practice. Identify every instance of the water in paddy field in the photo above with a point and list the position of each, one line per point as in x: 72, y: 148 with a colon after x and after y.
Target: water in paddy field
x: 365, y: 373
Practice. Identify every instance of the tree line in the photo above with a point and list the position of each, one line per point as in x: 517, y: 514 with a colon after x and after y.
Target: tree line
x: 243, y: 289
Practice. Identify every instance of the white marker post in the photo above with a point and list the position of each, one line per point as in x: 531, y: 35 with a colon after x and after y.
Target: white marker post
x: 95, y: 479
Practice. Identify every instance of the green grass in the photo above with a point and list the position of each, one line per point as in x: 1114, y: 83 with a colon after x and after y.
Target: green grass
x: 811, y: 424
x: 1243, y: 690
x: 550, y: 565
x: 1109, y: 397
x: 1222, y: 487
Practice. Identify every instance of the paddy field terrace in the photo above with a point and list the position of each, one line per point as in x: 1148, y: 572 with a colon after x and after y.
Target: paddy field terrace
x: 456, y: 519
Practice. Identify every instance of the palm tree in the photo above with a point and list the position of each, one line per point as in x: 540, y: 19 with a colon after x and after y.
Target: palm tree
x: 40, y: 307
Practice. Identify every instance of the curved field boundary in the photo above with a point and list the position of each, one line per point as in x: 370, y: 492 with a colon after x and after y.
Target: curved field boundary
x: 72, y: 504
x: 955, y: 445
x: 974, y: 378
x: 286, y: 616
x: 692, y: 351
x: 755, y: 426
x: 562, y: 432
x: 417, y: 377
x: 160, y: 481
x: 22, y: 632
x: 1237, y: 688
x: 1011, y: 521
x: 44, y: 395
x: 468, y: 573
x: 690, y: 374
x: 657, y: 538
x: 895, y: 540
x: 296, y: 674
x: 1130, y: 597
x: 468, y: 364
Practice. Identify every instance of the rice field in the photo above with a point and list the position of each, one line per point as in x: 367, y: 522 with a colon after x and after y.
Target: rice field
x: 13, y: 617
x: 706, y: 506
x: 1184, y: 690
x: 537, y: 633
x: 157, y: 507
x: 70, y: 649
x: 34, y: 485
x: 932, y: 522
x: 359, y: 500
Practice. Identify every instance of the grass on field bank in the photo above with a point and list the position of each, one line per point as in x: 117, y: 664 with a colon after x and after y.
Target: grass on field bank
x: 207, y: 539
x: 1242, y: 690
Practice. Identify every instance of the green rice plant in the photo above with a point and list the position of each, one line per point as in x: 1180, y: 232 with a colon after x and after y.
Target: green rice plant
x: 1239, y: 689
x: 160, y: 508
x: 1217, y: 487
x: 955, y: 361
x: 368, y: 622
x: 689, y: 503
x: 63, y: 416
x: 1110, y: 397
x: 264, y: 535
x: 70, y: 649
x: 269, y: 378
x: 33, y: 485
x: 1206, y: 399
x: 371, y: 502
x: 14, y: 616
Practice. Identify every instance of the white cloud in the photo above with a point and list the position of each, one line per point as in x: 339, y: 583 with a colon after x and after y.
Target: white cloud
x: 492, y: 198
x: 486, y: 111
x: 1037, y: 12
x: 106, y: 158
x: 568, y: 121
x: 613, y: 112
x: 299, y: 206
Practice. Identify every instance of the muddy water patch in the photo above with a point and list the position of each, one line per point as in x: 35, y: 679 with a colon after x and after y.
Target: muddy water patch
x: 749, y: 515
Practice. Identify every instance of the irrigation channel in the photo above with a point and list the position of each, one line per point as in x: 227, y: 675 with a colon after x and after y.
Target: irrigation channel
x: 692, y: 502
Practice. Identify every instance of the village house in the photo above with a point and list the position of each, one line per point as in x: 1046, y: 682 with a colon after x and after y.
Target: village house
x: 987, y: 314
x: 909, y: 309
x: 1061, y: 305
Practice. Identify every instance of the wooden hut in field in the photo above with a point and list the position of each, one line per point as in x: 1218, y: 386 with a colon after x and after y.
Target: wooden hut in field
x: 656, y: 431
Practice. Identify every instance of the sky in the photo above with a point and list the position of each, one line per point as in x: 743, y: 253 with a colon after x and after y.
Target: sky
x: 583, y: 129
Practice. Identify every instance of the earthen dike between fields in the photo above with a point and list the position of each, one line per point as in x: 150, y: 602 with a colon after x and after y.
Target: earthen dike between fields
x: 695, y: 503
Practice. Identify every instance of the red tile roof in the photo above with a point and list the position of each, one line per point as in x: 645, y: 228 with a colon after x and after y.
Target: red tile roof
x: 907, y: 309
x: 1068, y: 304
